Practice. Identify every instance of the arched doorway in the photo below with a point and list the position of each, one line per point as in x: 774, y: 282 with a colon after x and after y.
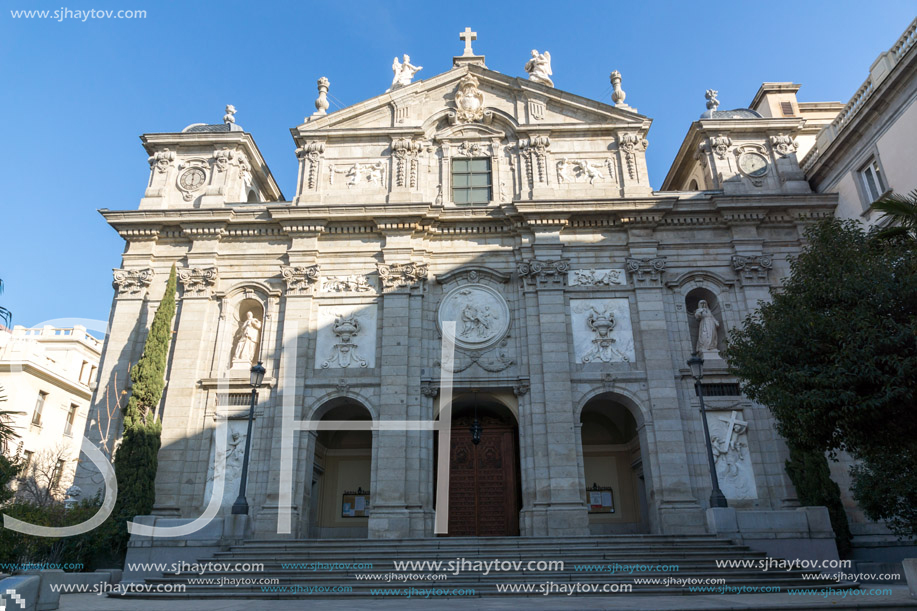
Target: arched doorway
x: 613, y: 468
x: 485, y: 493
x: 341, y: 474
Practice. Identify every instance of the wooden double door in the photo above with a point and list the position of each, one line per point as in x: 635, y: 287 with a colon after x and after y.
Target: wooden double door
x: 484, y: 493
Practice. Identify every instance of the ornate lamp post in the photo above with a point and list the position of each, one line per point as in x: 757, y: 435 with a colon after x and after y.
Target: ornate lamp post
x: 696, y: 363
x: 240, y: 507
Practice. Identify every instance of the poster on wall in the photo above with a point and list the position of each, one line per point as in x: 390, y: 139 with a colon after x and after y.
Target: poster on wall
x: 601, y: 499
x: 355, y: 504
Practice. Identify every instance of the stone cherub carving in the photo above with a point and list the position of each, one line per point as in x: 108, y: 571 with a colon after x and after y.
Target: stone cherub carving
x: 246, y: 340
x: 404, y: 72
x: 539, y: 68
x: 706, y: 328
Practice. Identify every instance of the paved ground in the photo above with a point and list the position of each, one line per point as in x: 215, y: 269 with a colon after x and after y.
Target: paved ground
x: 899, y: 599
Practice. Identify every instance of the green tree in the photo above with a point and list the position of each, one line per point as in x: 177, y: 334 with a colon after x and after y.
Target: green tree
x: 901, y: 212
x: 136, y: 458
x: 834, y: 356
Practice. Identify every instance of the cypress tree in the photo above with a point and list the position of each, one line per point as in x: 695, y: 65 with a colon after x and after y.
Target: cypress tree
x: 136, y: 459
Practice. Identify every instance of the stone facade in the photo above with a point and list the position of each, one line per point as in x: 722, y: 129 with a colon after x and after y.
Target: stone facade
x: 573, y: 288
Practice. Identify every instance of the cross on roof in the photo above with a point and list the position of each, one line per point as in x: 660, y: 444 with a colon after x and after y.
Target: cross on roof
x: 468, y: 36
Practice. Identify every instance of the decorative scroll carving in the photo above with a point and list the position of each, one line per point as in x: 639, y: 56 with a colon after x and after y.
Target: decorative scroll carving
x: 784, y: 144
x: 543, y: 272
x: 631, y: 144
x: 197, y: 281
x: 311, y: 152
x: 521, y: 388
x: 469, y: 103
x: 344, y: 352
x: 754, y: 268
x: 474, y: 149
x: 346, y: 284
x: 596, y: 277
x: 221, y: 158
x: 401, y: 275
x: 162, y: 160
x: 429, y: 389
x: 131, y: 281
x: 645, y: 270
x: 719, y: 145
x: 299, y: 280
x: 534, y: 151
x: 579, y: 170
x: 405, y: 152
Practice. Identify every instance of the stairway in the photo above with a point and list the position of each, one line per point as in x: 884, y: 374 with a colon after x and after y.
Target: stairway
x: 694, y: 555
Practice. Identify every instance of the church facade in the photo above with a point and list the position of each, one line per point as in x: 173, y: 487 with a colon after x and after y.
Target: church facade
x: 522, y: 215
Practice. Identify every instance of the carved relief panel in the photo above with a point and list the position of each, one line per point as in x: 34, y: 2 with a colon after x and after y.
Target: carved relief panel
x: 729, y: 440
x: 602, y: 331
x: 346, y: 337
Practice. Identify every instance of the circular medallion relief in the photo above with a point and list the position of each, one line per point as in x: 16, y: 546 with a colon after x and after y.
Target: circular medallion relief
x: 480, y: 313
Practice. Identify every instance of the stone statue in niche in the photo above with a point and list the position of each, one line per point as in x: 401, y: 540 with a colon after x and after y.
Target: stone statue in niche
x: 539, y: 68
x: 728, y: 439
x: 404, y: 72
x: 707, y: 325
x: 246, y: 340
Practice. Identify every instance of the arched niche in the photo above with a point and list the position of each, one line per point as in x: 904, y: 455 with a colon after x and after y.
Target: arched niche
x: 247, y: 324
x: 693, y: 300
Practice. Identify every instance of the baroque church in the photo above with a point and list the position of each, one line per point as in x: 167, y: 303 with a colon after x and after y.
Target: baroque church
x: 474, y: 246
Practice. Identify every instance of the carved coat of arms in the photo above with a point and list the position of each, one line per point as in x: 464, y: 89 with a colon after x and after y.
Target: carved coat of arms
x: 469, y: 103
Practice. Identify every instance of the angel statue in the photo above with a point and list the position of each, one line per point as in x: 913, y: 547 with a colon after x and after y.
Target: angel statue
x: 539, y: 68
x: 404, y: 72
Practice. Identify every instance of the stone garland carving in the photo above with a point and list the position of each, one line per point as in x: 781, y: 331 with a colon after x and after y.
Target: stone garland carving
x: 596, y: 277
x: 344, y: 352
x: 401, y: 275
x: 313, y: 152
x: 729, y: 441
x: 299, y: 279
x: 360, y: 174
x: 579, y: 170
x: 494, y: 364
x: 543, y: 272
x: 162, y: 160
x: 469, y: 103
x: 534, y: 152
x: 197, y: 281
x: 784, y: 144
x: 646, y: 269
x: 405, y: 152
x: 131, y: 281
x: 631, y: 144
x: 346, y: 284
x: 753, y: 268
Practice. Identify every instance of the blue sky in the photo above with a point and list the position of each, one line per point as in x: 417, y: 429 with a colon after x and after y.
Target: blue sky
x: 77, y: 94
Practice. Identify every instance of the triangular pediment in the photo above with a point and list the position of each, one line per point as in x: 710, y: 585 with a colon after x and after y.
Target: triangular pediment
x: 472, y: 96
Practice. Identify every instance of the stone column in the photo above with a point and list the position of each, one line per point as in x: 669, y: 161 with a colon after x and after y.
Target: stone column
x: 123, y: 345
x: 184, y: 437
x: 559, y: 510
x: 677, y: 508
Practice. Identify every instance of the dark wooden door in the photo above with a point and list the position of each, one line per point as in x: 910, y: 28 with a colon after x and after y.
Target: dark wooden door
x: 483, y: 488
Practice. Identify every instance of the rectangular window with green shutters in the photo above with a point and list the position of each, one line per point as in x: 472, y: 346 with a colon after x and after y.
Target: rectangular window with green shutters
x: 471, y: 183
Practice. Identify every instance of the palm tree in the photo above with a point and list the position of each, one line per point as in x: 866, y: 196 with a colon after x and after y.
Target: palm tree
x: 6, y: 317
x: 7, y: 431
x: 901, y: 213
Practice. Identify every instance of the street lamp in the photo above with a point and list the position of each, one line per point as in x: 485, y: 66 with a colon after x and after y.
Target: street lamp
x: 240, y: 507
x: 696, y: 363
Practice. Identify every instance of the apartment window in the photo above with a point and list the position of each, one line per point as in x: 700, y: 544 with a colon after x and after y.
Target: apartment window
x: 71, y: 416
x: 471, y: 181
x: 39, y: 405
x: 873, y: 181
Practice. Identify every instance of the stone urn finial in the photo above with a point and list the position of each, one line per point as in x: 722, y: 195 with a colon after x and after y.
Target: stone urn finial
x: 228, y: 118
x: 712, y: 102
x: 618, y: 95
x: 321, y: 103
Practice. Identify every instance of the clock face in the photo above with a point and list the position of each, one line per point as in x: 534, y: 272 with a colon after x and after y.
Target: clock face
x: 753, y: 164
x: 192, y: 179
